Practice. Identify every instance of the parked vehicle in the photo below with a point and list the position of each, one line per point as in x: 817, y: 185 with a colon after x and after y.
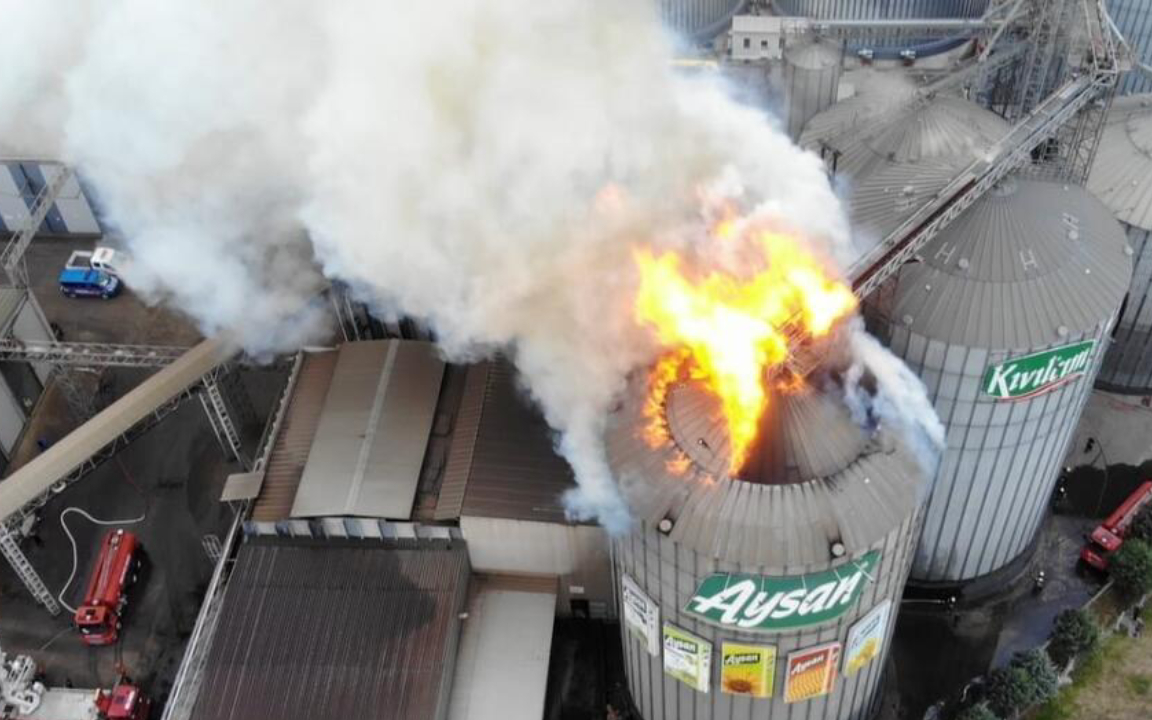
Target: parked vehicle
x: 117, y: 567
x: 23, y: 697
x: 1109, y: 535
x: 75, y: 282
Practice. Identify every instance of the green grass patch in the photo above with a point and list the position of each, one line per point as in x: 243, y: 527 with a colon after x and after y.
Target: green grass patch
x: 1089, y: 670
x: 1139, y: 685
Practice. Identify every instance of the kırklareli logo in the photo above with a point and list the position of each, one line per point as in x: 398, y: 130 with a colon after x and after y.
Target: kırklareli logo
x: 1034, y: 374
x: 758, y: 602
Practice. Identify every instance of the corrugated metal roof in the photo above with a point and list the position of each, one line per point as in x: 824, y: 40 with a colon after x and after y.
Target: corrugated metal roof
x: 504, y: 653
x: 336, y: 630
x: 373, y: 431
x: 503, y: 461
x: 847, y: 486
x: 1122, y: 173
x: 1025, y: 260
x: 294, y: 440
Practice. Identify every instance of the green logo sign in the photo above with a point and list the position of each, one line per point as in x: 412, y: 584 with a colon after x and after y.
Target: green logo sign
x: 756, y: 602
x: 1034, y: 374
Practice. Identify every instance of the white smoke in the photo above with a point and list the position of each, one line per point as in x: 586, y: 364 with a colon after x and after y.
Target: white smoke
x: 879, y: 387
x: 482, y: 167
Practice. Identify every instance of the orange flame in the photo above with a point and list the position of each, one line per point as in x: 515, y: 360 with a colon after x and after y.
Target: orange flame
x: 726, y: 331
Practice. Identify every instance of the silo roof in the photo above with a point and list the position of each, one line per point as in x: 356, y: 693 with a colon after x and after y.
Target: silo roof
x: 1027, y: 264
x: 1122, y: 173
x: 846, y: 484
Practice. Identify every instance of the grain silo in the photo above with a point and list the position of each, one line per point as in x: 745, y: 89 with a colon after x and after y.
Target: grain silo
x: 811, y: 79
x: 768, y: 595
x: 1134, y: 20
x: 895, y: 153
x: 1122, y: 178
x: 890, y: 10
x: 699, y: 19
x: 1004, y: 319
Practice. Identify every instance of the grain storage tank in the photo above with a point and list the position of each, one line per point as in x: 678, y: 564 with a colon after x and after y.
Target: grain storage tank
x: 1005, y: 319
x: 1134, y: 20
x: 894, y: 153
x: 699, y: 19
x: 811, y: 79
x: 768, y: 595
x: 1122, y: 178
x: 891, y: 10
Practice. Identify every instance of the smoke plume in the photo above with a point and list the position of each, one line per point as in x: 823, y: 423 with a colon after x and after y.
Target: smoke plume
x: 482, y: 167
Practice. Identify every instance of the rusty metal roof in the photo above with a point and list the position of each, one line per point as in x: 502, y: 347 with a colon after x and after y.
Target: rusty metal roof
x: 294, y: 440
x: 340, y: 630
x: 502, y: 462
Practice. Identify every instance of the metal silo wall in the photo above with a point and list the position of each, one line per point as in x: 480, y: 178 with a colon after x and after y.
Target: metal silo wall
x: 810, y: 90
x: 1127, y: 366
x: 669, y: 574
x: 872, y: 9
x: 1134, y: 19
x: 1002, y: 460
x: 699, y: 17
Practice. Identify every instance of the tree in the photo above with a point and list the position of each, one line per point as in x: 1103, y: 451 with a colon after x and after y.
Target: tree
x: 1141, y: 528
x: 979, y: 711
x: 1131, y: 568
x: 1075, y: 632
x: 1028, y: 680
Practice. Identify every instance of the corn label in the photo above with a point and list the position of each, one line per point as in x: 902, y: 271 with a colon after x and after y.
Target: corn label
x: 866, y: 638
x: 759, y: 602
x: 811, y: 672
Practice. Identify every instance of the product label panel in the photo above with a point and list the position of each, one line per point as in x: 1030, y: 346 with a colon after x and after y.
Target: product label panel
x: 747, y: 669
x: 811, y: 672
x: 866, y: 638
x: 1035, y: 374
x: 759, y: 602
x: 687, y: 658
x: 641, y: 615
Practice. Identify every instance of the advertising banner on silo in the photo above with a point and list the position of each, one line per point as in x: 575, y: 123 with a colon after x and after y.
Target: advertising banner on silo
x: 747, y: 669
x: 865, y: 638
x: 641, y: 615
x: 1031, y: 375
x: 687, y: 658
x: 811, y: 672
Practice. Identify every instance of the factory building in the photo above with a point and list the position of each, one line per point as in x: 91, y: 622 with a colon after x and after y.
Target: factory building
x: 22, y: 181
x: 1122, y: 178
x: 870, y: 9
x: 699, y: 19
x: 1005, y: 318
x: 772, y: 592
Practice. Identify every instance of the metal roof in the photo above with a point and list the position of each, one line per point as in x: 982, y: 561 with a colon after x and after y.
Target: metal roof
x: 502, y: 462
x: 1122, y: 173
x: 373, y: 431
x: 318, y: 630
x: 504, y: 652
x: 293, y: 441
x: 1025, y: 261
x: 836, y: 482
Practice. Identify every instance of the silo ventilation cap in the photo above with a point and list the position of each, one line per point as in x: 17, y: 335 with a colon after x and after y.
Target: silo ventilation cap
x: 1062, y: 331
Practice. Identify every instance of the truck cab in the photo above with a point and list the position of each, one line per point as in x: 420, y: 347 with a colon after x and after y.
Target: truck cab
x: 1109, y: 535
x: 99, y: 617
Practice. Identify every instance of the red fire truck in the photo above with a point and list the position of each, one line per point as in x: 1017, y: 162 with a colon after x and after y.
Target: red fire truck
x: 1109, y: 535
x: 116, y: 569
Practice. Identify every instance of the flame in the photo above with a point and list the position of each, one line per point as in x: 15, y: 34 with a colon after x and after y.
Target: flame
x: 725, y: 330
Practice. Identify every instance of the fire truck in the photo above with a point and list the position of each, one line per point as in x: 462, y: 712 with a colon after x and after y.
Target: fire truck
x: 116, y: 569
x: 22, y: 697
x: 1109, y: 535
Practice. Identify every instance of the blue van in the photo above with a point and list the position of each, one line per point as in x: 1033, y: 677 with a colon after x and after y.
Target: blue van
x: 79, y: 282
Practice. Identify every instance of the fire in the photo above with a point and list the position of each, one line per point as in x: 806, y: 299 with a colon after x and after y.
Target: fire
x: 725, y: 330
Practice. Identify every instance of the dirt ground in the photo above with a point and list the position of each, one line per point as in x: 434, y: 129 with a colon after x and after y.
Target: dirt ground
x: 1121, y: 690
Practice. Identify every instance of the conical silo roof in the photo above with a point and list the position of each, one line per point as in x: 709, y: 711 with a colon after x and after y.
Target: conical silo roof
x: 1122, y: 173
x: 832, y: 481
x: 1028, y: 264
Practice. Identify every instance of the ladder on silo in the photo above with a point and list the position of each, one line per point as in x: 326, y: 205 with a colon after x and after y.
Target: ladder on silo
x: 19, y: 562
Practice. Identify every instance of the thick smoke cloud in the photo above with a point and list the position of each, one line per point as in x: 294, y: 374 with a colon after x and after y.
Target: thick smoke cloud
x: 483, y: 167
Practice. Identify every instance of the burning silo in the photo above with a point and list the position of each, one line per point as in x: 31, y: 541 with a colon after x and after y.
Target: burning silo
x: 1004, y: 318
x: 766, y: 591
x: 1122, y: 178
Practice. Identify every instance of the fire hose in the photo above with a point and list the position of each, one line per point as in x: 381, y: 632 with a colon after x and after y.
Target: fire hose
x: 72, y: 540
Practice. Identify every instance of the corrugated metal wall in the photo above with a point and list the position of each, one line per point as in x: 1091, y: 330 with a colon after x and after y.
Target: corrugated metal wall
x: 812, y: 76
x: 19, y: 184
x: 699, y: 18
x: 1128, y: 365
x: 1134, y: 18
x: 857, y: 9
x: 669, y: 573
